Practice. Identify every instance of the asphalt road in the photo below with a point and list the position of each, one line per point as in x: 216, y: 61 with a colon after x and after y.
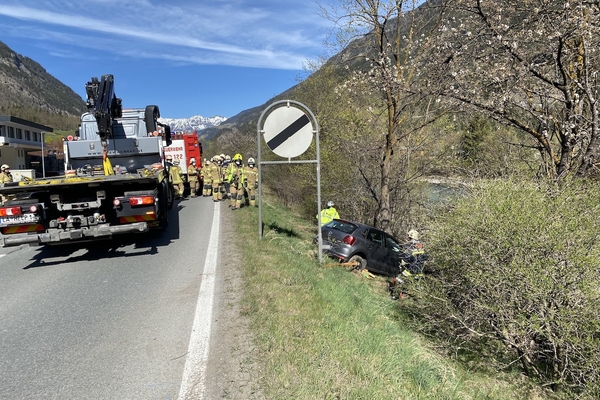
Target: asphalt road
x: 112, y: 320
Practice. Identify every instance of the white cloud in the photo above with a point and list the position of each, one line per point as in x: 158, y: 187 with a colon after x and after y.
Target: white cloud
x: 273, y: 34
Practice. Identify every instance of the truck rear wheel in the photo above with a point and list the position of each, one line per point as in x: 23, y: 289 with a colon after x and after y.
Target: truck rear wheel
x: 163, y: 220
x: 170, y: 196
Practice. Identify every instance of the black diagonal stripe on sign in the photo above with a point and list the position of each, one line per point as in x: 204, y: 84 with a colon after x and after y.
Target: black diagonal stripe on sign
x: 288, y: 132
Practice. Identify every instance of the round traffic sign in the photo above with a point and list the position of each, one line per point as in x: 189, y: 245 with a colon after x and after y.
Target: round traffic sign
x: 288, y: 131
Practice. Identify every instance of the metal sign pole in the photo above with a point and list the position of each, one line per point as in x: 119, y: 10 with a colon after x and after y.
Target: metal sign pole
x: 319, y: 234
x: 260, y: 230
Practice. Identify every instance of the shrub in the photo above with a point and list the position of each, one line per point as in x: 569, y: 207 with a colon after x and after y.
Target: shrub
x: 516, y: 278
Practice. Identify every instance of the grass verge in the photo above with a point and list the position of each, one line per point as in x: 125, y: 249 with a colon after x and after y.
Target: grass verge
x: 326, y: 333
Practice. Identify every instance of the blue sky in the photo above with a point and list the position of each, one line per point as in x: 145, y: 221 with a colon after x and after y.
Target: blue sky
x: 190, y: 57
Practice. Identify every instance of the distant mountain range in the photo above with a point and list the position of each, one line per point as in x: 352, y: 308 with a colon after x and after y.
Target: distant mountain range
x: 195, y: 123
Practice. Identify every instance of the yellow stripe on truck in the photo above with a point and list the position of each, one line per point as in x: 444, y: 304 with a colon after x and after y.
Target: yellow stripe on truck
x: 22, y: 229
x: 137, y: 218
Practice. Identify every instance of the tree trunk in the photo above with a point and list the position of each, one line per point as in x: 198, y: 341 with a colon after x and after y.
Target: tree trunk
x: 384, y: 213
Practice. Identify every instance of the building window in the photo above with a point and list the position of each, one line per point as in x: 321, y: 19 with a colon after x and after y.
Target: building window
x: 11, y: 132
x: 2, y: 130
x: 19, y: 133
x: 35, y: 137
x: 27, y: 135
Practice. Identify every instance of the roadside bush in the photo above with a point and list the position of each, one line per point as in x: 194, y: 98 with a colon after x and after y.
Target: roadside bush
x: 516, y: 279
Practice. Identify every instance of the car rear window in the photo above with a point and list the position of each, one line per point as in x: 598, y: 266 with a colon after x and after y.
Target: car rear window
x: 344, y: 226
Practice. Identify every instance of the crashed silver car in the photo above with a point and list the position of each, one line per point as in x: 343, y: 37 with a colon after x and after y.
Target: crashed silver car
x: 369, y: 247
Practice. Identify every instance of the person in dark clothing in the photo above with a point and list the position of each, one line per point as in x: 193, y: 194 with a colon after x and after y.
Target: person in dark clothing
x: 413, y: 257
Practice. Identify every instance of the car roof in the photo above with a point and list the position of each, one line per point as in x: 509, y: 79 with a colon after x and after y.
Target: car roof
x: 358, y: 224
x: 345, y: 221
x: 364, y: 226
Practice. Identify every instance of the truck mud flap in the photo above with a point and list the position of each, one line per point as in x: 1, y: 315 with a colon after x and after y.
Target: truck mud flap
x: 73, y: 235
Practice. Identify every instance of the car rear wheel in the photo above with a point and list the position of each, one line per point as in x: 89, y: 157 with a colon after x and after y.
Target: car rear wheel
x: 362, y: 263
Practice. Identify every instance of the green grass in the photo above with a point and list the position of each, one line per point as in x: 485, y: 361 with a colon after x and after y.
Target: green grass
x: 327, y: 333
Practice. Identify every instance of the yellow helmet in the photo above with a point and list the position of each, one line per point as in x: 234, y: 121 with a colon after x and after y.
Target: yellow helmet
x: 238, y: 156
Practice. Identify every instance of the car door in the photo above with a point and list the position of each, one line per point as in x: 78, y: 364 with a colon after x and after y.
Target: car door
x: 392, y: 260
x: 377, y: 250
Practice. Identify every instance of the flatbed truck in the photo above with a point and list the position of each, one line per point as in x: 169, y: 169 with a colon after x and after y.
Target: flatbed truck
x: 116, y: 180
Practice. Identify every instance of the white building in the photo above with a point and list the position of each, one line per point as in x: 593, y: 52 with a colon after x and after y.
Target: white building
x: 18, y: 138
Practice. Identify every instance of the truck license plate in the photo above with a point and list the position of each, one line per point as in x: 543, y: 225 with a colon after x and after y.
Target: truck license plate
x: 19, y: 219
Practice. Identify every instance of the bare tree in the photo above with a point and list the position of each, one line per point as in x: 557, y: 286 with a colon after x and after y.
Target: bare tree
x: 396, y: 37
x: 531, y: 64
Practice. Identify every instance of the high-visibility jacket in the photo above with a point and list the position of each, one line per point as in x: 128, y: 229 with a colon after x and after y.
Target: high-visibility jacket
x: 236, y: 174
x: 328, y: 215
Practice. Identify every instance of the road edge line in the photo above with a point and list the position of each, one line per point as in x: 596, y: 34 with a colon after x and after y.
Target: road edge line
x: 194, y: 372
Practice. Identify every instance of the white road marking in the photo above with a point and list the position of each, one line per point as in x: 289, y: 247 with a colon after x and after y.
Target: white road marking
x: 194, y: 372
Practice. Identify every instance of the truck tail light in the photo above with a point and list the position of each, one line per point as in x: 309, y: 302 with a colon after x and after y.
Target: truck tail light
x: 33, y: 208
x: 10, y: 211
x: 141, y: 201
x: 349, y: 240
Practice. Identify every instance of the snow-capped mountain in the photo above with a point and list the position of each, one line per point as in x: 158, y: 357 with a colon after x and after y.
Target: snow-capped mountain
x: 195, y: 123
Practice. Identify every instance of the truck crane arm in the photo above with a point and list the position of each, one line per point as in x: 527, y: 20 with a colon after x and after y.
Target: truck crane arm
x: 104, y: 104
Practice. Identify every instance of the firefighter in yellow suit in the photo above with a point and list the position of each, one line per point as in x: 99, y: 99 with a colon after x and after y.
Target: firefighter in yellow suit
x: 5, y: 175
x: 251, y: 181
x: 176, y: 173
x: 235, y: 178
x: 206, y: 180
x: 214, y: 175
x: 192, y: 176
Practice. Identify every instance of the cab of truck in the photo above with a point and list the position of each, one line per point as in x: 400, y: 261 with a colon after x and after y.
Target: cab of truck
x: 137, y: 141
